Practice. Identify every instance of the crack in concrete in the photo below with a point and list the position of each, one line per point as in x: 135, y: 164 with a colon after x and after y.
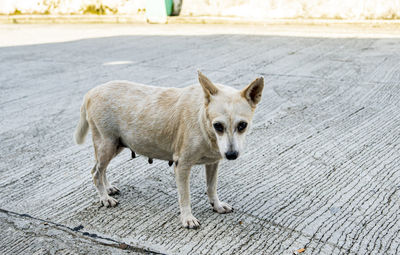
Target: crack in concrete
x: 104, y: 241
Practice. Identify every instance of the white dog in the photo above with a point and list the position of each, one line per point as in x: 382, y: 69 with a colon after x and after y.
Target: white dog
x: 189, y: 126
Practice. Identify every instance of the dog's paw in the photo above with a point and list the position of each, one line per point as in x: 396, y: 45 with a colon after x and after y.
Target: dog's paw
x: 108, y: 201
x: 112, y: 190
x: 221, y: 207
x: 189, y: 221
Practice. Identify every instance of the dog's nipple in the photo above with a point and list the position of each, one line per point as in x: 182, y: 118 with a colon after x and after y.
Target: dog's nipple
x: 150, y: 161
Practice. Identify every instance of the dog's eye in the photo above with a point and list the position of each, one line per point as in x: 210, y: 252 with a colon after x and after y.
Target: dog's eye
x: 218, y: 127
x: 241, y: 126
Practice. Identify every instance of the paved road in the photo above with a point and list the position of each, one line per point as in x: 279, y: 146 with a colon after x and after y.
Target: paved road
x: 322, y: 165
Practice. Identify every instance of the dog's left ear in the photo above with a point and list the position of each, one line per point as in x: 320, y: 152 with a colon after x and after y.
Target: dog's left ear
x: 209, y: 88
x: 253, y: 91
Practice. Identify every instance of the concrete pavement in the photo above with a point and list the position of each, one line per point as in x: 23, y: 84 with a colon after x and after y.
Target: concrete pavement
x: 321, y: 170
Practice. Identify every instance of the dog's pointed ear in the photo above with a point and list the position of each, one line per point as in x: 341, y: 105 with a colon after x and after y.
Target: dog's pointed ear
x: 208, y: 87
x: 253, y: 92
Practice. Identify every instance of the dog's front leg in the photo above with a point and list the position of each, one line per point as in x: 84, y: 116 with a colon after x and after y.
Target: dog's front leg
x: 182, y: 176
x: 212, y: 177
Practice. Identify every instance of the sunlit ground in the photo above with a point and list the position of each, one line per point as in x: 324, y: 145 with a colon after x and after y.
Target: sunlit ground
x: 37, y: 34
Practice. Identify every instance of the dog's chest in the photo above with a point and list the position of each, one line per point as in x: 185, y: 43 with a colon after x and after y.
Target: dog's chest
x: 209, y: 157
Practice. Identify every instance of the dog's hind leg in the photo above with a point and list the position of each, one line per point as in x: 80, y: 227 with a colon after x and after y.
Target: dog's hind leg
x: 111, y: 189
x: 105, y: 150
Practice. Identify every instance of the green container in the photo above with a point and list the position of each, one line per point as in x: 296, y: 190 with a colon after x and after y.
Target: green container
x: 168, y: 6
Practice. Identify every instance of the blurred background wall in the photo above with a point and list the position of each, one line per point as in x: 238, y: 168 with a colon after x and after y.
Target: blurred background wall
x: 252, y: 9
x: 261, y: 9
x: 72, y: 6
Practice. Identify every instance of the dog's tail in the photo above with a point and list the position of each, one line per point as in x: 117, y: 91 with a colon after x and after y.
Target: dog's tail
x: 83, y: 126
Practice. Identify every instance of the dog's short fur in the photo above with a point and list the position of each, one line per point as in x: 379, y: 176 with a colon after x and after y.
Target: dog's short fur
x: 189, y: 126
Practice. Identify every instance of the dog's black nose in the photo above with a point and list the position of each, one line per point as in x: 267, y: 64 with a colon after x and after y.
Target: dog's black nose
x: 231, y: 155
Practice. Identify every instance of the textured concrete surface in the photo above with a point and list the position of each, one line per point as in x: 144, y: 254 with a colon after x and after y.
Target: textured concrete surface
x: 321, y: 170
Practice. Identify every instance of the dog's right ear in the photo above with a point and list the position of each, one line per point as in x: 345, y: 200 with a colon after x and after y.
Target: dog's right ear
x: 208, y: 87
